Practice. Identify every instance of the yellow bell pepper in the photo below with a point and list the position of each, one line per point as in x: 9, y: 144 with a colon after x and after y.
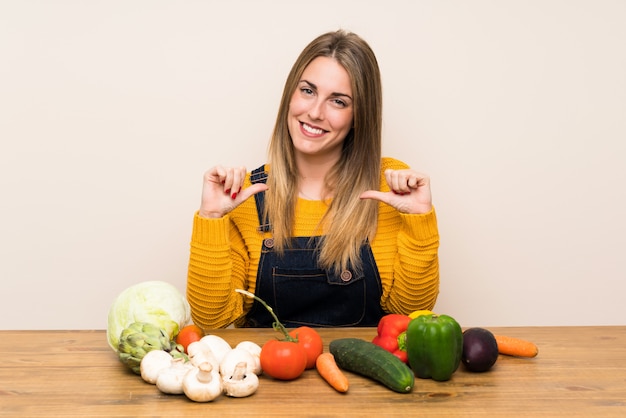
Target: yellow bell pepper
x: 415, y: 314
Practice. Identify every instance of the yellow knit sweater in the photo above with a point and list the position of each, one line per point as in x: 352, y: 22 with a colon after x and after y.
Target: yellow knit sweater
x: 225, y: 253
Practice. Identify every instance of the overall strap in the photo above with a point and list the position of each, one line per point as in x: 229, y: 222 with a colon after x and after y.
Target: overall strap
x: 259, y: 175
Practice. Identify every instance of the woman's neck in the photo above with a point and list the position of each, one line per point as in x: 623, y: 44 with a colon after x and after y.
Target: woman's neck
x: 312, y: 178
x: 315, y: 166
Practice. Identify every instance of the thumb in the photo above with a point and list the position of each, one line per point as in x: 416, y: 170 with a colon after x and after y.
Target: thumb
x: 252, y: 190
x: 375, y: 195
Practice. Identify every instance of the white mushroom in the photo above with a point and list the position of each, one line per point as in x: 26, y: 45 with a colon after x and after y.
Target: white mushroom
x: 233, y: 358
x: 203, y: 384
x: 218, y: 346
x: 170, y: 379
x: 255, y: 350
x: 152, y: 363
x: 199, y: 352
x: 241, y: 383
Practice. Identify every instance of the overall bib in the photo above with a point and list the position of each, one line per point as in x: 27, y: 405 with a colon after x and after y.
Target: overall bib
x: 302, y: 293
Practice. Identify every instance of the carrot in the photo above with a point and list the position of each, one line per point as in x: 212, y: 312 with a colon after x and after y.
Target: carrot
x: 518, y: 347
x: 328, y: 369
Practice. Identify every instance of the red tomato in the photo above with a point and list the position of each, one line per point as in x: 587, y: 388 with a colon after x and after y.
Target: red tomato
x: 284, y: 360
x: 312, y: 343
x: 189, y: 334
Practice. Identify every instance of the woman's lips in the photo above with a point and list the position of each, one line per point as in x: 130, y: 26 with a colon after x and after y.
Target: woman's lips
x: 311, y: 130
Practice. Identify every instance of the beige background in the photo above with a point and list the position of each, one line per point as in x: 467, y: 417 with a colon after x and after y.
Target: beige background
x: 110, y: 111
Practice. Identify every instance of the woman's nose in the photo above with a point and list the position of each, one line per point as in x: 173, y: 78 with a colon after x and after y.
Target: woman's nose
x: 316, y: 111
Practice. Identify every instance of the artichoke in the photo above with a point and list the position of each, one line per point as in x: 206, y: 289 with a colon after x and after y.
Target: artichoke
x: 138, y: 339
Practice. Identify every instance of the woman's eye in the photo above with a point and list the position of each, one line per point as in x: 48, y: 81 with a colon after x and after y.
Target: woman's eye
x: 306, y: 90
x: 339, y: 103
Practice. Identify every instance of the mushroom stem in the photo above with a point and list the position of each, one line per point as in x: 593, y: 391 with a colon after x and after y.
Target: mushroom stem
x: 205, y: 374
x: 240, y: 371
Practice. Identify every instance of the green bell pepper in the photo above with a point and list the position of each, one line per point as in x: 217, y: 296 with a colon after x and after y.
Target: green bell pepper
x: 434, y: 345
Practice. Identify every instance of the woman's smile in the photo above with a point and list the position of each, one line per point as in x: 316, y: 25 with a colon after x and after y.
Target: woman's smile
x: 312, y: 130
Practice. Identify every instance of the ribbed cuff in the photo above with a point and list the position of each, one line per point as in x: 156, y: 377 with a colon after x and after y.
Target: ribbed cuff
x: 211, y: 231
x: 421, y: 226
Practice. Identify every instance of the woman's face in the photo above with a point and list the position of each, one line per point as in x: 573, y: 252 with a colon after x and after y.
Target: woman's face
x: 321, y: 110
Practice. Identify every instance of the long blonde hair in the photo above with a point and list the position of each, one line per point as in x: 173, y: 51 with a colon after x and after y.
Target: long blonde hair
x: 349, y: 221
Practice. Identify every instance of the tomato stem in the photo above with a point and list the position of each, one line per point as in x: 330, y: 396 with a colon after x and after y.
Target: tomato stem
x: 277, y: 325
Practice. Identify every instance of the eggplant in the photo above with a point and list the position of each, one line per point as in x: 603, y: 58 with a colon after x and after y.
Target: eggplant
x: 480, y: 349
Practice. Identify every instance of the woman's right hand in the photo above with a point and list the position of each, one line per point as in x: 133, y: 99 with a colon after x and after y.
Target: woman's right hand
x: 222, y: 191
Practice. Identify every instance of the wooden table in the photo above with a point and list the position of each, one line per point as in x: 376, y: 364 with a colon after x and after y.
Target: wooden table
x: 579, y: 372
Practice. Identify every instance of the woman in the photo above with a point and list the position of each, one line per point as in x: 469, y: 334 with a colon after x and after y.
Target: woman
x: 328, y: 233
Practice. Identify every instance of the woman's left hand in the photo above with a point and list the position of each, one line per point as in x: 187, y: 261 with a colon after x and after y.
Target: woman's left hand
x: 410, y: 191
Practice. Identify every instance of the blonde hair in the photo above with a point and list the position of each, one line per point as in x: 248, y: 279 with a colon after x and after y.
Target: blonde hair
x: 349, y: 221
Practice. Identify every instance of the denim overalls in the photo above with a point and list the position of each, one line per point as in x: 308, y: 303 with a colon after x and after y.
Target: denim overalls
x: 301, y: 293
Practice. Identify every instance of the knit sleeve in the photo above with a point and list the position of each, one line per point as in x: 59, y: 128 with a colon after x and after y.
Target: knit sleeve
x: 217, y: 265
x: 416, y: 266
x: 406, y: 252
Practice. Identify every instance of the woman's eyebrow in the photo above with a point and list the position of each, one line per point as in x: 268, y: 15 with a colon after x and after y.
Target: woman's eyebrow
x: 334, y: 94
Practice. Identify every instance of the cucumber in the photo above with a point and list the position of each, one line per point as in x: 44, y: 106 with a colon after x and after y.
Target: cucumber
x: 367, y: 359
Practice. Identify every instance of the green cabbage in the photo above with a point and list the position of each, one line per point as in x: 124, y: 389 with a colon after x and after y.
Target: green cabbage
x: 155, y: 302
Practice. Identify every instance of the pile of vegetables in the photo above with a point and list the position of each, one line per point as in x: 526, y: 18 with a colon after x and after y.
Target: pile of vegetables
x: 434, y: 346
x: 150, y: 329
x: 212, y: 368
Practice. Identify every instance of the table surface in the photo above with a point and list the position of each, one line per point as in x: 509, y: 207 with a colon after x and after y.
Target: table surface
x: 580, y: 371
